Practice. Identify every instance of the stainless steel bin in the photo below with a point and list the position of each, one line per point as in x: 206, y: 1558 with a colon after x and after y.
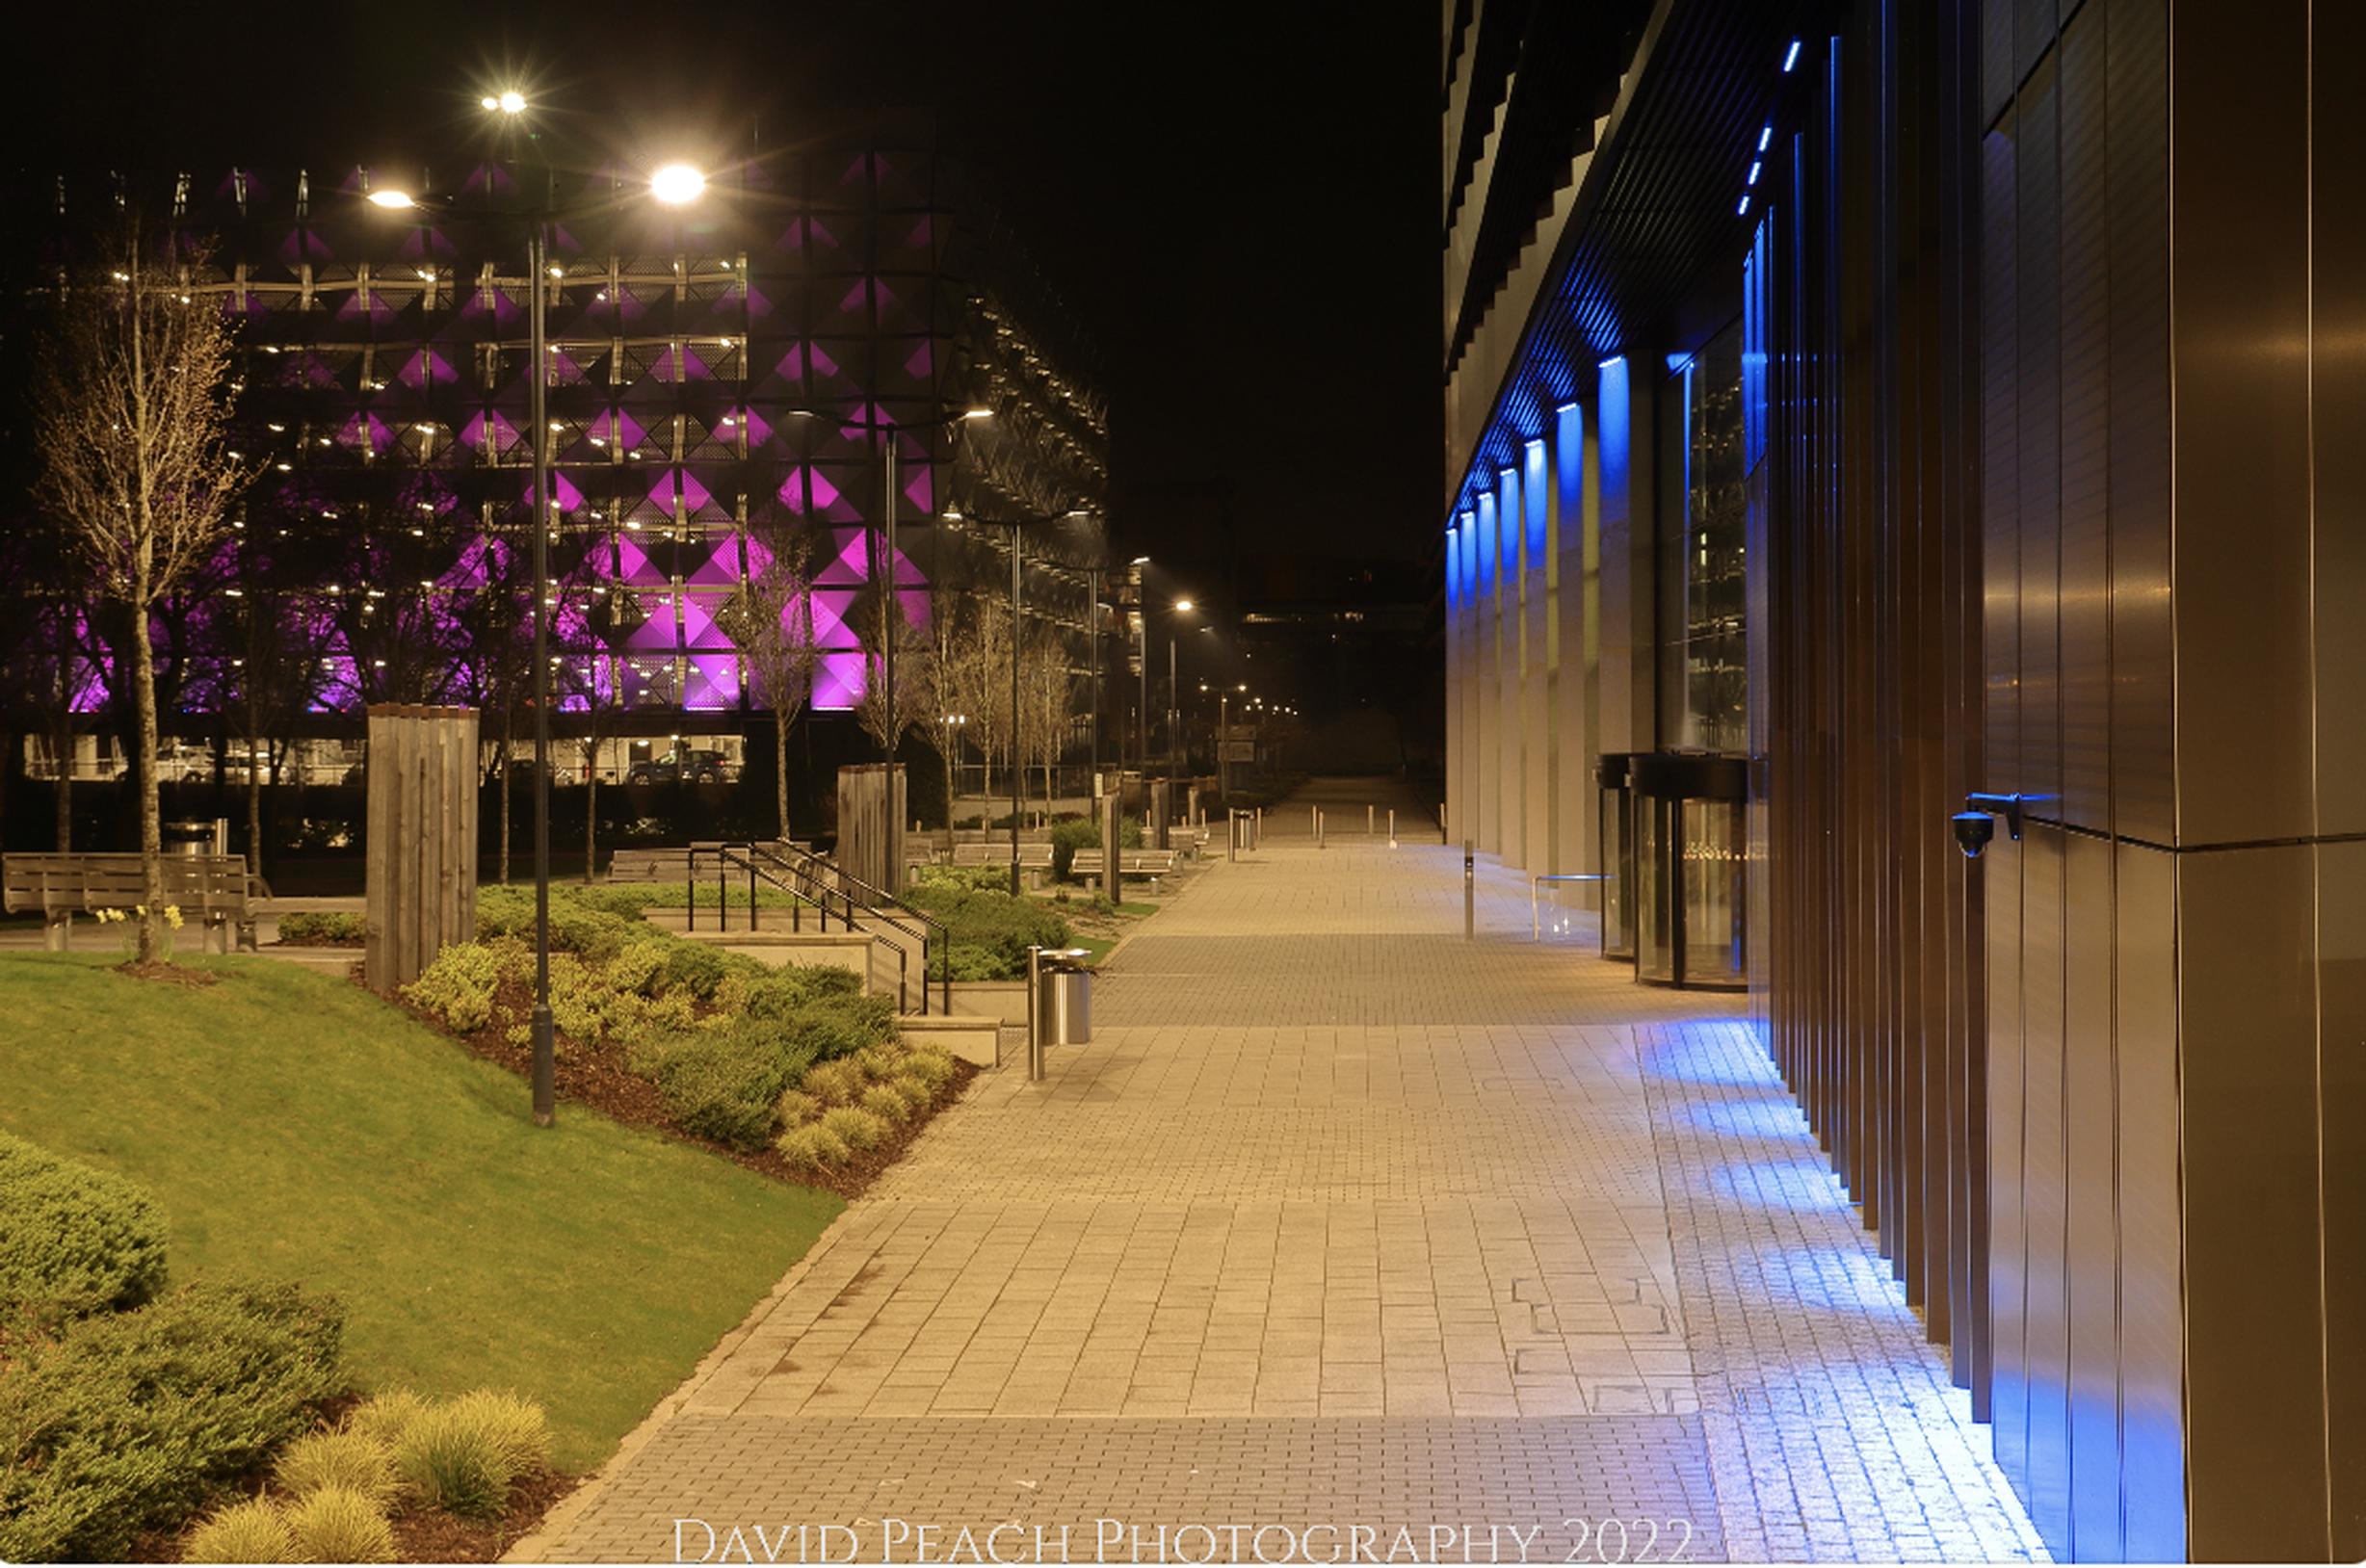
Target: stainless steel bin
x: 1063, y: 1003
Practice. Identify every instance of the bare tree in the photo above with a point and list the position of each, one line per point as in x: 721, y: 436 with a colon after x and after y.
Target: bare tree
x: 976, y: 681
x: 771, y: 620
x: 1047, y: 692
x: 875, y: 616
x: 135, y: 394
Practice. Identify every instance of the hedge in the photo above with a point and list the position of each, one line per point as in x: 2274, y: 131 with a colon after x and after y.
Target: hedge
x: 73, y: 1239
x: 999, y: 928
x: 133, y: 1421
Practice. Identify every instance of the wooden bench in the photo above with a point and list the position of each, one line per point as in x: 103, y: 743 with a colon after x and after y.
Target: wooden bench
x: 1153, y: 864
x: 1036, y: 856
x: 668, y: 864
x: 212, y: 890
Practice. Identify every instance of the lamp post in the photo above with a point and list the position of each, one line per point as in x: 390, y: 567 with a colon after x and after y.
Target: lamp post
x: 674, y: 185
x: 891, y: 609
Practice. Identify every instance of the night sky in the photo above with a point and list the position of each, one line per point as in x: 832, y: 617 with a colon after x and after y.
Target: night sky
x: 1239, y: 201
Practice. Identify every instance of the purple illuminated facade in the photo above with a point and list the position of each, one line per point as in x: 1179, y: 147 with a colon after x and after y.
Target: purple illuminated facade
x: 720, y: 377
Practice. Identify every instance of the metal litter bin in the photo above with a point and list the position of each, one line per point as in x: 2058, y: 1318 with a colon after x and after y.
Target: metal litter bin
x: 188, y: 838
x: 1058, y: 1002
x: 1064, y: 998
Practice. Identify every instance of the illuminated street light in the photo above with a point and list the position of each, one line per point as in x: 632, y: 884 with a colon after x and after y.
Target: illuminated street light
x: 391, y: 198
x: 676, y: 184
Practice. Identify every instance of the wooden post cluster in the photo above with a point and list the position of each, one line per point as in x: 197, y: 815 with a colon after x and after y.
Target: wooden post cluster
x: 871, y: 823
x: 1162, y: 814
x: 422, y: 866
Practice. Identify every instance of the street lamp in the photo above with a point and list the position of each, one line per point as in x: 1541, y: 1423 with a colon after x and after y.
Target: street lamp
x: 673, y: 184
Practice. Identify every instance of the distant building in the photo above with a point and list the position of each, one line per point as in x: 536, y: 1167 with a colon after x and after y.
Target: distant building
x: 719, y: 374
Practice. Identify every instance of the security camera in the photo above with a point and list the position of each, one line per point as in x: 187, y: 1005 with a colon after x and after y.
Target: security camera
x: 1973, y: 831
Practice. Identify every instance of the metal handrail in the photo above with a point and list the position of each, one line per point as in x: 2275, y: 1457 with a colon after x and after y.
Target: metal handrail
x: 803, y: 874
x: 1536, y: 924
x: 881, y: 906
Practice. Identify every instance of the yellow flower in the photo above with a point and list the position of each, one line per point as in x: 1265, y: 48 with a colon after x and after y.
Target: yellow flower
x: 172, y: 916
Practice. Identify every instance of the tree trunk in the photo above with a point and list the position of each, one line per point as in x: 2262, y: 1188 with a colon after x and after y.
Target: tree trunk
x: 254, y: 797
x: 61, y: 756
x: 590, y: 820
x: 781, y: 770
x: 151, y: 817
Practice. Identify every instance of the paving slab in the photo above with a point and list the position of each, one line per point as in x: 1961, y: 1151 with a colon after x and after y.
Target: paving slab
x: 1340, y: 1219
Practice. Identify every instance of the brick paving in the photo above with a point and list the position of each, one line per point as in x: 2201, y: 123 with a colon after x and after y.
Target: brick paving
x: 1340, y: 1221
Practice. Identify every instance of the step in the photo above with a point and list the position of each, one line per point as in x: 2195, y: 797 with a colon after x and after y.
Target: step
x: 973, y: 1039
x: 845, y: 950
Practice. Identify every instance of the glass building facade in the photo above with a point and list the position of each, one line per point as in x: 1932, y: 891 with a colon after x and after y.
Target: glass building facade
x: 1892, y: 403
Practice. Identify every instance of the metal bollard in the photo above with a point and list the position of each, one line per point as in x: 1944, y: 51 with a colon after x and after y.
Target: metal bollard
x: 1367, y: 819
x: 1441, y: 821
x: 1470, y: 924
x: 1318, y: 827
x: 1034, y: 1021
x: 1392, y: 827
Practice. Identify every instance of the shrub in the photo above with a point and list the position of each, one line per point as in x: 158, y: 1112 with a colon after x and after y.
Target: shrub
x: 517, y: 1426
x: 965, y: 879
x: 1066, y: 839
x: 916, y: 1093
x: 357, y: 1460
x: 625, y: 902
x: 338, y: 1525
x: 835, y: 1084
x: 320, y: 926
x: 931, y: 1064
x: 883, y: 1101
x: 384, y: 1414
x: 717, y: 1085
x: 811, y: 1147
x: 860, y: 1129
x: 457, y: 987
x: 795, y: 1107
x: 1003, y: 925
x: 131, y: 1421
x: 251, y: 1532
x: 451, y: 1461
x: 968, y: 961
x: 693, y: 967
x: 74, y: 1239
x: 592, y: 933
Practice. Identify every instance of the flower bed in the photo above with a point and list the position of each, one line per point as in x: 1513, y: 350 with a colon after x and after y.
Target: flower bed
x: 702, y: 1043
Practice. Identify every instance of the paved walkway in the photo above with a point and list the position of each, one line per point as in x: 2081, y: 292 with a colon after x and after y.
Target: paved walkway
x: 1340, y: 1222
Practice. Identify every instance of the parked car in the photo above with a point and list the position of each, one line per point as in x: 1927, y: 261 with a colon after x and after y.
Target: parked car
x: 685, y: 767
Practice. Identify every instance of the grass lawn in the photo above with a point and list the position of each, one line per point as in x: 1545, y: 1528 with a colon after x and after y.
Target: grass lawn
x: 295, y: 1127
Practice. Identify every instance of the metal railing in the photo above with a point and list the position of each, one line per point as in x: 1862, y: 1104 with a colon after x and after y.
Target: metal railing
x: 828, y: 888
